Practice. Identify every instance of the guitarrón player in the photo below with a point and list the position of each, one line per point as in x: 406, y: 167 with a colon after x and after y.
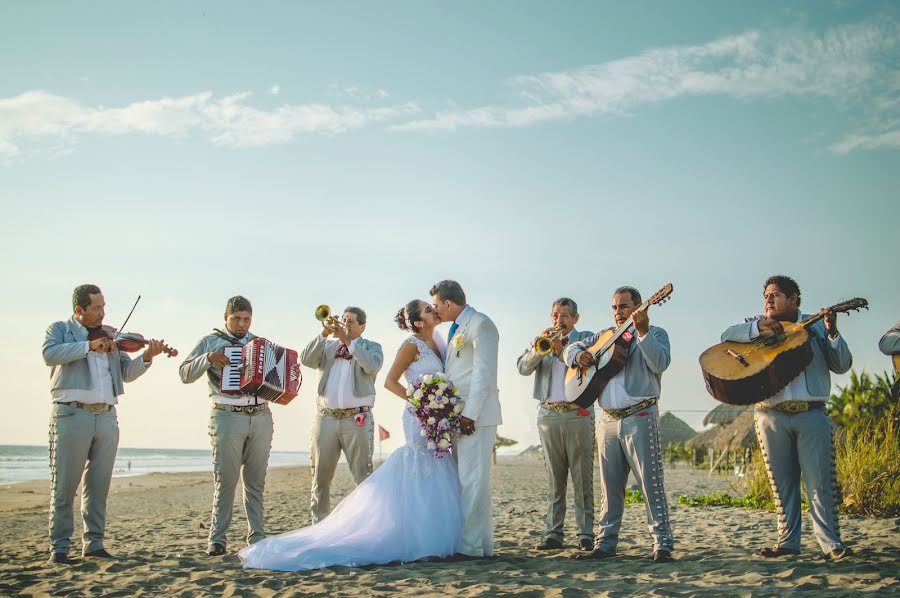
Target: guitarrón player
x: 793, y: 426
x: 628, y: 428
x: 240, y: 429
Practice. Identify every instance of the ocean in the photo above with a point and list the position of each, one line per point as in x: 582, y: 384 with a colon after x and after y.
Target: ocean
x: 20, y: 463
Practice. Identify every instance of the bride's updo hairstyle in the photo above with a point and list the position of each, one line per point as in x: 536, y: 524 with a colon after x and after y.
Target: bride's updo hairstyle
x: 407, y: 317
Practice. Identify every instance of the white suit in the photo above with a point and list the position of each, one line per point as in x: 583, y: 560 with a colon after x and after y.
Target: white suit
x: 471, y: 364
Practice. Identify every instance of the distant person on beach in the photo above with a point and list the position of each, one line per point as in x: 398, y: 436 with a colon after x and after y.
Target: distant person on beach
x: 628, y: 429
x: 240, y: 429
x: 86, y: 379
x: 793, y: 427
x: 566, y: 430
x: 348, y: 364
x: 890, y: 345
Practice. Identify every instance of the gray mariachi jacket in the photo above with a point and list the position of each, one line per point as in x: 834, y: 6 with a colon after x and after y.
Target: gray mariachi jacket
x: 367, y: 361
x: 65, y: 350
x: 890, y: 342
x: 825, y: 356
x: 647, y: 360
x: 533, y: 362
x: 197, y: 362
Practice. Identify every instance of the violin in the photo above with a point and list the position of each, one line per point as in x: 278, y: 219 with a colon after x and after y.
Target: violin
x: 129, y: 342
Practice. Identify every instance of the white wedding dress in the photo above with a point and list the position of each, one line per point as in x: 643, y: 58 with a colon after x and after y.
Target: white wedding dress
x: 408, y: 509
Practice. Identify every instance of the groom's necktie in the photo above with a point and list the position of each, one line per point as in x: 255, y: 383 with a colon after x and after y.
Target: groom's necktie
x: 453, y: 328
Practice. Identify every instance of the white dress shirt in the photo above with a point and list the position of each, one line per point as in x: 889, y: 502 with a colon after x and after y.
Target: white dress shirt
x: 101, y: 380
x: 796, y: 390
x: 339, y: 388
x: 558, y: 370
x: 614, y: 396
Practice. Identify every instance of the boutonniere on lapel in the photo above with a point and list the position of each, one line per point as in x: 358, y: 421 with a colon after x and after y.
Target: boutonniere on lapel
x: 458, y: 342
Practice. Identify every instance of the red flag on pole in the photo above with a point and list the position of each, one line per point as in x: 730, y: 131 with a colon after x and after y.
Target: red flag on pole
x: 383, y: 434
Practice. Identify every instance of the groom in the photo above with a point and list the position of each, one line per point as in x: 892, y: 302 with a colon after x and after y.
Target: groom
x: 471, y: 364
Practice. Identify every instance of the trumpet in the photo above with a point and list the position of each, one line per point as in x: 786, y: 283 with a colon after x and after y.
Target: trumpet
x: 323, y: 314
x: 544, y: 344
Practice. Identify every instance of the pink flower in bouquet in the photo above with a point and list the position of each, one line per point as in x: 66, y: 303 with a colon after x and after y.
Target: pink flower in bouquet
x: 435, y: 404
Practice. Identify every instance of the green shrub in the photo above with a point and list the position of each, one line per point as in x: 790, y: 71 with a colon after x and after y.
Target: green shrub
x: 868, y: 465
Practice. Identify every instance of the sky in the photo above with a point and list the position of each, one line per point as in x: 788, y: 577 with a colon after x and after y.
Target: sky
x: 356, y: 153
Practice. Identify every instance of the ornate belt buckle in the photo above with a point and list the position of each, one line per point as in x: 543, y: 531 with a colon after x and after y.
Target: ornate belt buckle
x: 794, y: 406
x: 95, y: 407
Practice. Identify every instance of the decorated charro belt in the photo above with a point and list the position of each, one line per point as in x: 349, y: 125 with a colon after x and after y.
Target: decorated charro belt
x: 629, y: 411
x: 248, y: 409
x: 94, y: 408
x: 343, y: 413
x: 793, y: 406
x: 560, y: 407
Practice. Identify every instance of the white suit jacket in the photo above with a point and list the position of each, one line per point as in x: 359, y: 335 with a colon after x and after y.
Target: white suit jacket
x: 471, y: 364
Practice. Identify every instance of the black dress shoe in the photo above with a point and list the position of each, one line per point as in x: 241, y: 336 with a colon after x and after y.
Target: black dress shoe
x: 58, y: 558
x: 550, y: 544
x: 838, y: 554
x: 662, y: 556
x: 215, y: 549
x: 586, y: 544
x: 99, y: 553
x: 594, y: 555
x: 776, y: 551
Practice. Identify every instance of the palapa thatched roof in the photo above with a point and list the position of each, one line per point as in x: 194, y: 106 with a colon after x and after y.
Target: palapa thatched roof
x: 738, y: 434
x: 534, y: 451
x: 501, y: 441
x: 703, y: 439
x: 725, y: 414
x: 673, y: 430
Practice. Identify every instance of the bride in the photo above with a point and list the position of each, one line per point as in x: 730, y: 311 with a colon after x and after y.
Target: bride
x: 408, y: 509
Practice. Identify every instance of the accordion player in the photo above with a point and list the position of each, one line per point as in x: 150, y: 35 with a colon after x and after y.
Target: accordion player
x: 262, y: 369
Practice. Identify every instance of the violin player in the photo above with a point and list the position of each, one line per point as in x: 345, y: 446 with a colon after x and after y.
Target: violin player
x: 792, y: 426
x: 86, y: 379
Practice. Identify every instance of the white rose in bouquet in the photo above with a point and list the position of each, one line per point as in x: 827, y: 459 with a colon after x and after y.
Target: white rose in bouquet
x: 427, y: 378
x: 431, y: 421
x: 444, y: 444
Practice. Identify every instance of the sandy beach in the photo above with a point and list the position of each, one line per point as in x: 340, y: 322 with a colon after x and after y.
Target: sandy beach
x: 157, y: 526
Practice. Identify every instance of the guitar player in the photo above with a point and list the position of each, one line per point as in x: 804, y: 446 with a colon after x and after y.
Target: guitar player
x: 793, y: 426
x: 628, y: 427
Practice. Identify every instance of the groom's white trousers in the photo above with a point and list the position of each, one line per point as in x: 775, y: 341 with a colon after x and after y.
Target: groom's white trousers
x: 473, y: 456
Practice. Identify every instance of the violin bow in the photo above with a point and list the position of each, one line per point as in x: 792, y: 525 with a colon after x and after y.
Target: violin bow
x: 122, y: 327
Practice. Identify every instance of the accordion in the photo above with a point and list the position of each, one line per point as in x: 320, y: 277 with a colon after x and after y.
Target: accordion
x: 263, y: 369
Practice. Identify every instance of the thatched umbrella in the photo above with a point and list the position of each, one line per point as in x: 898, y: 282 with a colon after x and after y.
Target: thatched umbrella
x: 534, y: 451
x: 725, y: 414
x: 673, y: 430
x: 738, y: 435
x: 500, y: 441
x: 702, y: 440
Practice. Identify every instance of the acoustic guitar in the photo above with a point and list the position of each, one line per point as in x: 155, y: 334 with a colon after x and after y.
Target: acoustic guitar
x: 747, y: 373
x: 585, y: 385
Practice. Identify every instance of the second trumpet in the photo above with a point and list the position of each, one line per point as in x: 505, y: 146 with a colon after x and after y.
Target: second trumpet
x: 544, y: 344
x: 323, y: 314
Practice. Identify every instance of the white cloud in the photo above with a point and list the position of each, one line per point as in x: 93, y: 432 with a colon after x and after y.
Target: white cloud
x: 275, y: 90
x: 889, y: 140
x: 229, y: 121
x: 842, y: 64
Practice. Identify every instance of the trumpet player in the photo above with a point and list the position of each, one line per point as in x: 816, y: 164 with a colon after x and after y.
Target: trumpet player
x: 566, y: 430
x: 348, y: 364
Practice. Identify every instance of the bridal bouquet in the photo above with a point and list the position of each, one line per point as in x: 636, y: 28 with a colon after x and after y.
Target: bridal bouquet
x: 437, y: 406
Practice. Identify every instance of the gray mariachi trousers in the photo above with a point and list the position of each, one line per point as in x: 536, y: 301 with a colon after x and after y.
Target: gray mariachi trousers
x: 568, y: 442
x: 240, y: 444
x: 329, y: 437
x: 78, y: 439
x: 632, y: 445
x: 795, y: 443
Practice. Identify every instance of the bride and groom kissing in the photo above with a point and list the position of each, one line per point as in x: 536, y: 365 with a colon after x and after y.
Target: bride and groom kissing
x: 416, y: 505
